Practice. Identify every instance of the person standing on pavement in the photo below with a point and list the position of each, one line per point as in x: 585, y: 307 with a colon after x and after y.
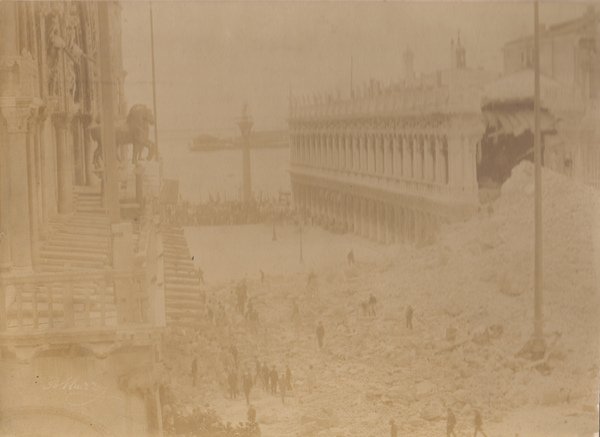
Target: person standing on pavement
x: 288, y: 377
x: 311, y: 379
x: 409, y: 317
x: 251, y: 414
x: 478, y: 424
x: 247, y: 385
x: 194, y: 371
x: 450, y: 423
x: 320, y: 334
x: 274, y: 378
x: 282, y: 388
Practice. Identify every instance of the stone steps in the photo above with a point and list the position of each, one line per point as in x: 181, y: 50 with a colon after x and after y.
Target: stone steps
x: 184, y: 299
x: 63, y: 246
x: 75, y: 255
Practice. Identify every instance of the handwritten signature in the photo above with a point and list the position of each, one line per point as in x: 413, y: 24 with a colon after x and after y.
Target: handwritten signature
x: 78, y: 392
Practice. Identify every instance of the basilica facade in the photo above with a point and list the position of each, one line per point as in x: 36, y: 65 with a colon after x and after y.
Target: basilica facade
x: 49, y: 95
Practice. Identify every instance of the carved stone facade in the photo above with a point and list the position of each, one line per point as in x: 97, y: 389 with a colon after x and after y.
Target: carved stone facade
x: 59, y: 371
x: 48, y: 71
x: 390, y: 164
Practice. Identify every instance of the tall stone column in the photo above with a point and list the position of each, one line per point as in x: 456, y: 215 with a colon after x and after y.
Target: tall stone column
x: 347, y: 152
x: 391, y: 223
x: 371, y: 154
x: 20, y: 223
x: 8, y: 51
x: 397, y: 146
x: 358, y: 153
x: 328, y: 151
x: 400, y: 225
x: 439, y: 177
x: 319, y: 148
x: 381, y: 225
x: 33, y: 175
x: 338, y: 152
x: 377, y: 154
x: 64, y: 178
x: 471, y: 185
x: 428, y: 164
x: 342, y: 160
x: 5, y: 225
x: 389, y: 156
x: 408, y: 158
x: 356, y: 212
x: 373, y: 214
x: 324, y: 151
x: 381, y: 145
x: 418, y: 172
x: 334, y: 151
x: 355, y: 153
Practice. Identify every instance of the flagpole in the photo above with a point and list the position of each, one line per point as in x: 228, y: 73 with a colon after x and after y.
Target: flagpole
x: 153, y: 80
x: 538, y: 331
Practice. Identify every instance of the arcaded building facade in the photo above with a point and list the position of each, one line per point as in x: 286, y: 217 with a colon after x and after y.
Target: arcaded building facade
x: 391, y: 163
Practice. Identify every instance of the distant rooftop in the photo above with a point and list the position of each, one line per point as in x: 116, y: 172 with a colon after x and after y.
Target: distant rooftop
x: 580, y: 23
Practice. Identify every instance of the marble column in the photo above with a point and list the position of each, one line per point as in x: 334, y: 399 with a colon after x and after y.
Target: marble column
x: 8, y: 52
x: 330, y: 151
x: 77, y: 149
x: 376, y: 153
x: 399, y: 224
x: 408, y: 158
x: 371, y: 144
x: 455, y: 153
x: 62, y: 122
x: 359, y: 154
x: 381, y: 153
x: 418, y: 172
x: 471, y: 185
x: 33, y: 181
x: 439, y: 162
x: 20, y: 218
x: 389, y: 156
x: 5, y: 200
x: 365, y: 219
x: 356, y: 153
x: 391, y: 234
x: 428, y: 164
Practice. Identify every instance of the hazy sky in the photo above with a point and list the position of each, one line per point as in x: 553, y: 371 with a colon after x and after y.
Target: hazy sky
x: 211, y: 57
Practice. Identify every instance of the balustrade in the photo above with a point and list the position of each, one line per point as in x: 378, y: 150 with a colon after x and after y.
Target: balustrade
x: 72, y: 300
x: 80, y: 300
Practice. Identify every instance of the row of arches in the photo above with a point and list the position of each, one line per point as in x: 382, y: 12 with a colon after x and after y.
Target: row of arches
x: 407, y: 156
x: 380, y: 220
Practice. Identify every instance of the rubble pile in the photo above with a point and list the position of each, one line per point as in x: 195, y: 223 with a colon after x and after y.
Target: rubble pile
x: 472, y: 294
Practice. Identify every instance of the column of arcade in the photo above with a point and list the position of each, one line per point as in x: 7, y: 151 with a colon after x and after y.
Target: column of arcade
x: 432, y: 160
x: 369, y: 217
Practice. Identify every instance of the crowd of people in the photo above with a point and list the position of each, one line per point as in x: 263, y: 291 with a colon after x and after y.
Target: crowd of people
x: 229, y: 212
x: 243, y: 374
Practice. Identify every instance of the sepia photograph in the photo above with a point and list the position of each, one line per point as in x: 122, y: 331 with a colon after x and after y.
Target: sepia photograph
x: 293, y: 218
